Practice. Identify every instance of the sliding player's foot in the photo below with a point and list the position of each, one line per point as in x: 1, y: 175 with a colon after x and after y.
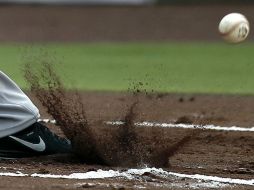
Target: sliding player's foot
x: 33, y: 141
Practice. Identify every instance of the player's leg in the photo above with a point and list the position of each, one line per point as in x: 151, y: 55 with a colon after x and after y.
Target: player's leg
x: 20, y: 133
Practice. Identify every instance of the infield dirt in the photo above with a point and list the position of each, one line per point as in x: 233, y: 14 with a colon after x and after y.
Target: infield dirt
x: 225, y: 154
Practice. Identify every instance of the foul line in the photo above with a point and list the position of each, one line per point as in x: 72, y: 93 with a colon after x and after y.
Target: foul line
x: 185, y: 126
x: 170, y: 125
x: 132, y: 174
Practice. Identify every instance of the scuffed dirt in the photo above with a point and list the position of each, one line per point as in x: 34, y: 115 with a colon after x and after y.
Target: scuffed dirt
x: 225, y: 154
x: 124, y: 145
x: 216, y: 153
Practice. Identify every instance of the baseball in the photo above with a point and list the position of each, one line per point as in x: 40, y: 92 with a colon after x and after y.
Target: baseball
x: 234, y: 27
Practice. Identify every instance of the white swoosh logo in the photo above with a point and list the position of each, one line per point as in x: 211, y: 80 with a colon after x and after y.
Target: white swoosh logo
x: 40, y: 147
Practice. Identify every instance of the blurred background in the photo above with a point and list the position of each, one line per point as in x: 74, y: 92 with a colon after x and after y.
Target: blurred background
x: 169, y: 45
x: 115, y: 20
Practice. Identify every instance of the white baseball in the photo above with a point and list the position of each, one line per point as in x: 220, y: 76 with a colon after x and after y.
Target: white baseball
x: 234, y: 27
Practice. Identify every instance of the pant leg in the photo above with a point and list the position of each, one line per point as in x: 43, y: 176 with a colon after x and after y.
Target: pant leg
x: 17, y: 112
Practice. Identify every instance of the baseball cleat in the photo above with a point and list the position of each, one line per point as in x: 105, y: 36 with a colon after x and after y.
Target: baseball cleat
x: 35, y: 140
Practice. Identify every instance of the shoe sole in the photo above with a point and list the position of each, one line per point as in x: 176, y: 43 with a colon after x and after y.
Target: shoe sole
x: 8, y: 155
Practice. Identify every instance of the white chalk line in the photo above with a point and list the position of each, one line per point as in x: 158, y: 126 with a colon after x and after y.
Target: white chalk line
x: 169, y: 125
x: 185, y: 126
x: 133, y: 174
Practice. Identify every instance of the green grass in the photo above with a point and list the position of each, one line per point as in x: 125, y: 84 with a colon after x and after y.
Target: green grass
x: 165, y: 67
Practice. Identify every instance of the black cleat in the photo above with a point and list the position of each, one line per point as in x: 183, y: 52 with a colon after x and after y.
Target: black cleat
x: 33, y: 141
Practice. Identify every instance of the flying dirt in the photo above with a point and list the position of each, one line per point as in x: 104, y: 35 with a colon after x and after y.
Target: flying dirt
x: 93, y: 141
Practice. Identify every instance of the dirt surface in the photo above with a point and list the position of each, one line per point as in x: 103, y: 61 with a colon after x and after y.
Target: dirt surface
x: 223, y: 110
x: 43, y: 23
x: 213, y: 153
